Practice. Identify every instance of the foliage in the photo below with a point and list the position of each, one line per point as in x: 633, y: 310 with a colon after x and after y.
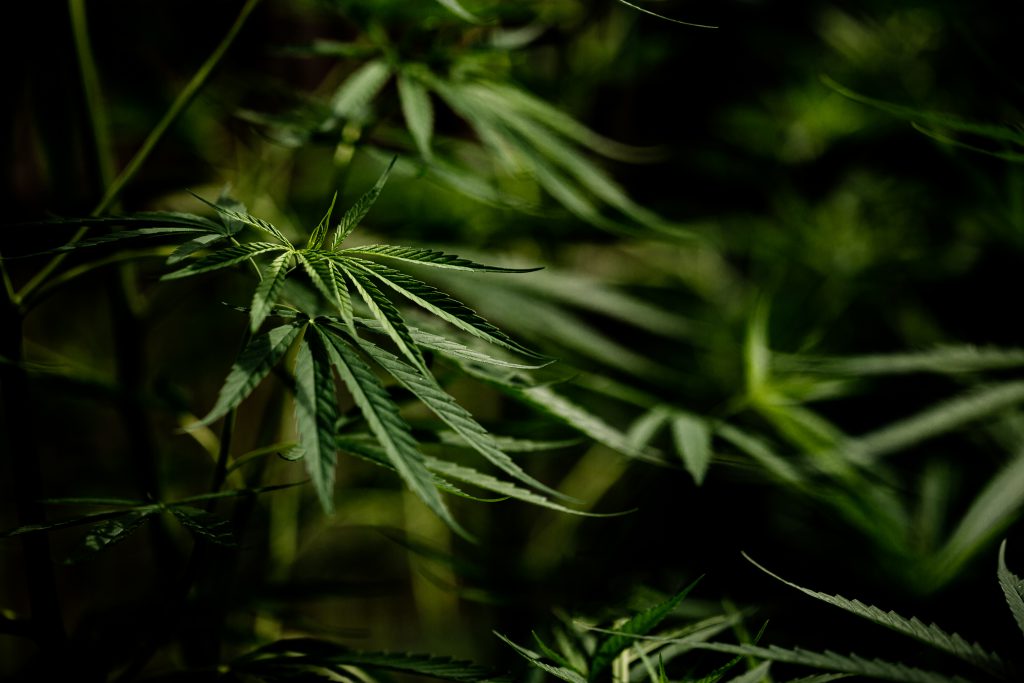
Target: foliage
x: 682, y: 291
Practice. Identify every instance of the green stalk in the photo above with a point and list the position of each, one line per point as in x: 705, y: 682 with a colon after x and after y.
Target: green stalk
x: 113, y: 191
x: 98, y: 120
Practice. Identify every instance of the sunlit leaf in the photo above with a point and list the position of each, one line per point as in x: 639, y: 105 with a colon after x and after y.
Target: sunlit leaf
x: 418, y: 112
x: 266, y: 293
x: 387, y: 425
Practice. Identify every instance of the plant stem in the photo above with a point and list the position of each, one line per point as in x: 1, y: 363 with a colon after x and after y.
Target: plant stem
x: 99, y: 123
x: 179, y: 105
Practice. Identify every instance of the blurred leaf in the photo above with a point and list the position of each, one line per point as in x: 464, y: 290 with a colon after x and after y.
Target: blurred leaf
x: 359, y: 89
x: 693, y: 442
x: 936, y: 420
x: 418, y: 112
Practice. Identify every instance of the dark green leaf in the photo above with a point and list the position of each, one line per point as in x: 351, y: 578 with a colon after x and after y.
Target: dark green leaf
x: 192, y: 246
x: 387, y: 425
x: 438, y: 303
x: 253, y: 364
x: 319, y: 235
x: 426, y: 389
x: 431, y: 257
x: 357, y: 212
x: 247, y: 219
x: 562, y: 672
x: 639, y: 625
x: 224, y: 258
x: 209, y: 526
x: 385, y: 313
x: 110, y: 532
x: 316, y: 411
x: 328, y: 279
x: 1013, y: 588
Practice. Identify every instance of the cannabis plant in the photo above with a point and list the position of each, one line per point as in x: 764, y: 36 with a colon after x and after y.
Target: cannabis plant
x: 634, y: 649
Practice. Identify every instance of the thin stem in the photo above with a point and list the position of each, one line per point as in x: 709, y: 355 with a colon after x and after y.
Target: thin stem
x: 8, y: 285
x: 99, y: 122
x: 184, y: 98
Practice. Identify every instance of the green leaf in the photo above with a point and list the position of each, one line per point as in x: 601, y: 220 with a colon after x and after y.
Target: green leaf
x: 585, y: 422
x: 418, y: 112
x: 663, y: 17
x: 319, y: 235
x: 224, y: 258
x: 360, y: 88
x: 438, y: 303
x: 456, y: 8
x: 206, y: 525
x: 453, y: 349
x: 1013, y: 588
x: 992, y: 511
x: 938, y: 419
x: 316, y: 412
x: 562, y: 672
x: 426, y: 389
x: 386, y: 314
x: 755, y: 675
x: 487, y: 482
x: 265, y: 296
x: 357, y: 212
x: 431, y: 258
x: 299, y: 654
x: 91, y: 518
x: 123, y: 235
x: 255, y: 362
x: 541, y: 111
x: 110, y: 532
x: 693, y: 442
x: 328, y: 279
x: 639, y: 625
x: 247, y: 219
x: 645, y: 427
x: 929, y: 634
x: 852, y: 664
x: 368, y: 448
x: 192, y: 246
x: 941, y: 120
x: 762, y: 453
x: 387, y: 425
x: 946, y: 359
